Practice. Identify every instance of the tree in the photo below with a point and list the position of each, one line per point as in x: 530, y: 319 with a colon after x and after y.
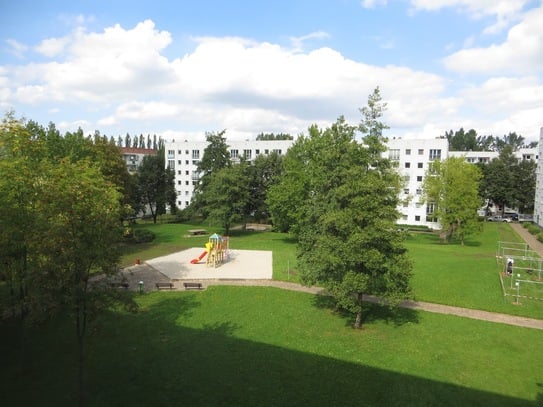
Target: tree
x: 462, y: 141
x: 451, y: 187
x: 509, y: 182
x: 272, y: 136
x: 81, y: 211
x: 226, y: 195
x: 155, y: 184
x: 216, y: 157
x: 265, y: 172
x: 345, y: 217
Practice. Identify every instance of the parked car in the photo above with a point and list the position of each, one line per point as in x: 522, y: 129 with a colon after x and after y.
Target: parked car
x: 498, y: 219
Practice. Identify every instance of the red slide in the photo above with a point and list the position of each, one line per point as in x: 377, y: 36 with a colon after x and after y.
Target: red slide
x: 195, y: 261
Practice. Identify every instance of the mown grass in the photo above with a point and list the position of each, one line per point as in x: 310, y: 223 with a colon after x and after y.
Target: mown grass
x: 255, y: 346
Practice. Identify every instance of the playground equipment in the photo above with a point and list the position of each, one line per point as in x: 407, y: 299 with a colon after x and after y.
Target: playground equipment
x: 216, y: 251
x: 521, y: 271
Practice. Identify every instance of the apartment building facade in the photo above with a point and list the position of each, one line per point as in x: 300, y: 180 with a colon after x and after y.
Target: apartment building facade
x: 538, y: 201
x: 134, y: 156
x: 412, y: 158
x: 183, y: 157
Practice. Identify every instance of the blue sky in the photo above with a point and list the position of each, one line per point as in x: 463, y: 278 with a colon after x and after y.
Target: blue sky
x: 183, y: 68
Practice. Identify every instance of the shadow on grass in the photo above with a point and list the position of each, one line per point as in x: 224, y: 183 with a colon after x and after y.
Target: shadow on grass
x: 151, y: 359
x: 371, y: 312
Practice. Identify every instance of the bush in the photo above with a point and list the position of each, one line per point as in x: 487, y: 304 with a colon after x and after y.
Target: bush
x: 143, y: 236
x: 533, y: 229
x: 540, y: 237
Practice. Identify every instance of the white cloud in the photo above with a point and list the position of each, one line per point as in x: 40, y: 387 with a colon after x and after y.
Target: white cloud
x: 373, y: 3
x: 120, y: 82
x: 52, y: 46
x: 298, y: 42
x: 522, y: 51
x: 505, y: 11
x: 16, y: 48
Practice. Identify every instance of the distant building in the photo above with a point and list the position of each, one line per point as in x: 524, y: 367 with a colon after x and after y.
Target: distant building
x: 538, y: 201
x: 183, y: 157
x: 413, y: 158
x: 134, y: 156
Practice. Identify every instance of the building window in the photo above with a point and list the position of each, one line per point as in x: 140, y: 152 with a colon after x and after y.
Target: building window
x: 435, y: 155
x: 179, y: 162
x: 247, y: 154
x: 171, y: 153
x: 419, y: 165
x: 406, y: 191
x: 257, y: 152
x: 187, y: 173
x: 421, y: 151
x: 179, y: 152
x: 394, y: 154
x: 406, y: 178
x: 419, y: 191
x: 178, y: 182
x: 187, y: 152
x: 419, y: 178
x: 417, y: 218
x: 266, y: 151
x: 186, y: 183
x: 171, y: 164
x: 234, y: 154
x: 407, y: 151
x: 195, y: 175
x: 404, y: 217
x: 187, y: 162
x: 186, y: 203
x: 195, y: 154
x: 407, y: 165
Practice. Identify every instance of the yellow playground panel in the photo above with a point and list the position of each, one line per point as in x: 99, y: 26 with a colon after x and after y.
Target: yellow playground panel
x: 217, y: 250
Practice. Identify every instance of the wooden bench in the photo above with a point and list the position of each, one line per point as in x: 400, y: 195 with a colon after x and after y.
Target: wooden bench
x: 197, y: 232
x: 166, y: 285
x: 192, y: 286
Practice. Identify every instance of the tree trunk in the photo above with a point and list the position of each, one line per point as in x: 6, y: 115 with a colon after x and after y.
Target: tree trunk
x: 358, y: 320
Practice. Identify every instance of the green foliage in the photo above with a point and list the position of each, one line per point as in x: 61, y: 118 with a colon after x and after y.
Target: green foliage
x: 272, y: 136
x: 339, y: 197
x: 143, y: 236
x: 452, y: 186
x: 226, y: 196
x: 155, y: 185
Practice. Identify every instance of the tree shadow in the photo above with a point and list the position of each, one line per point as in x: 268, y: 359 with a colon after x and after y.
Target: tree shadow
x: 372, y: 312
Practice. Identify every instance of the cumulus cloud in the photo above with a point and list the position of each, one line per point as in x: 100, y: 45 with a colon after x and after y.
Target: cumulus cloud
x: 505, y: 11
x: 521, y: 52
x: 120, y: 80
x: 373, y: 3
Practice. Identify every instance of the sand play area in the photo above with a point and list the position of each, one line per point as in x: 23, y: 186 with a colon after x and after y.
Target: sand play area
x: 241, y: 264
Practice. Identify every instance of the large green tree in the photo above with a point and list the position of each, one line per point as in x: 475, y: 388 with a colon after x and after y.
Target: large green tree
x: 155, y: 185
x: 508, y: 181
x: 451, y: 187
x: 226, y: 195
x: 265, y: 171
x: 345, y: 212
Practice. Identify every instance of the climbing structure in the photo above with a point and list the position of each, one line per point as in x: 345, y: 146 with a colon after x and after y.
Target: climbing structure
x: 217, y: 250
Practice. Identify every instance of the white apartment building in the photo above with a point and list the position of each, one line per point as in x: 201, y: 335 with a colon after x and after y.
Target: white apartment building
x: 538, y: 202
x: 183, y: 157
x: 412, y: 156
x: 485, y: 157
x: 134, y: 156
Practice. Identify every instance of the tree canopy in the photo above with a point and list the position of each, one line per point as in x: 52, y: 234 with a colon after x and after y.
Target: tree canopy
x: 339, y: 198
x: 451, y: 188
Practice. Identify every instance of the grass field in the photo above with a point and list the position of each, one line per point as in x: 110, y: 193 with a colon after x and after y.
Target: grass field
x: 256, y: 346
x: 464, y: 276
x: 251, y: 346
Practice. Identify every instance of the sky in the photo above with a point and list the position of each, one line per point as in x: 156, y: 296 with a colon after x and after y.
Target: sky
x: 182, y: 68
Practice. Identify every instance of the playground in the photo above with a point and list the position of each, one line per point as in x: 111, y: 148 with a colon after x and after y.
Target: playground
x: 216, y: 261
x: 521, y: 271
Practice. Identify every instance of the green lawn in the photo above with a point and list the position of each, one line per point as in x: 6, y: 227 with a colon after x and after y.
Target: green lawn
x: 464, y: 276
x: 255, y: 346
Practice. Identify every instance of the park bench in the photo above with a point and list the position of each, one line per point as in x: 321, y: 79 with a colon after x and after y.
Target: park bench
x: 192, y: 286
x: 166, y: 285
